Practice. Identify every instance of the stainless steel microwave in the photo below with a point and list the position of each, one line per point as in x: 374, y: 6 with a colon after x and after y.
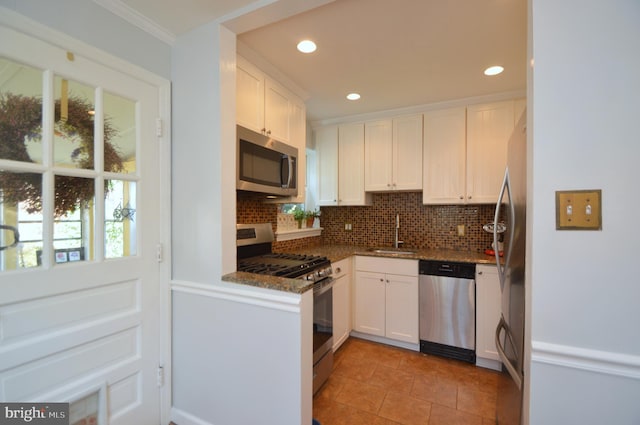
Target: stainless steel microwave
x: 265, y: 165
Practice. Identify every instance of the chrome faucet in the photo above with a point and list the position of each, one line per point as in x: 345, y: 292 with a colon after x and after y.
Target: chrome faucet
x: 397, y: 243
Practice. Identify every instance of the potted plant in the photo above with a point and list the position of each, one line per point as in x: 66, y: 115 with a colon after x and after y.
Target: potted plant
x: 298, y: 216
x: 310, y: 216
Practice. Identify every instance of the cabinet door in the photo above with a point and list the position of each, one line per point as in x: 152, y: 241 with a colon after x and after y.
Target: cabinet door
x: 326, y: 143
x: 487, y: 311
x: 277, y: 110
x: 250, y: 83
x: 489, y: 127
x: 369, y: 315
x: 402, y: 308
x: 444, y: 161
x: 351, y: 165
x: 298, y: 114
x: 378, y: 153
x: 407, y: 153
x: 341, y: 302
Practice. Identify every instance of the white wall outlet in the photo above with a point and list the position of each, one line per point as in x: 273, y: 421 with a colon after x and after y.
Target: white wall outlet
x: 460, y: 229
x: 348, y: 227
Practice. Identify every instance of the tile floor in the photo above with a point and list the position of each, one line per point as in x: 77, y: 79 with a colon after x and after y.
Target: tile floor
x: 377, y: 384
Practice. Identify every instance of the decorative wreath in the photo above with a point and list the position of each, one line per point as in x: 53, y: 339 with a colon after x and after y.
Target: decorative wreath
x: 21, y: 121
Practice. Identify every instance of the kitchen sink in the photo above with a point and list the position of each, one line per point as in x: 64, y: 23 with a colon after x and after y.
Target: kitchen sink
x: 391, y: 251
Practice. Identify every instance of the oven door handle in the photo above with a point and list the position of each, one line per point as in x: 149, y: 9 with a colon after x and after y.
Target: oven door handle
x: 323, y: 286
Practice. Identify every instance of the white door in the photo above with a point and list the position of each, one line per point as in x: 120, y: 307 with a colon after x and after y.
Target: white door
x: 79, y: 292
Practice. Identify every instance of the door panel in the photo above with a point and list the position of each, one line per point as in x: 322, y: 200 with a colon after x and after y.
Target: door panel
x: 79, y: 294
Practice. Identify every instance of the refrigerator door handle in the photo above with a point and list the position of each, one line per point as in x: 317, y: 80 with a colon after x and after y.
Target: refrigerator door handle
x: 503, y: 189
x: 503, y: 356
x: 506, y: 188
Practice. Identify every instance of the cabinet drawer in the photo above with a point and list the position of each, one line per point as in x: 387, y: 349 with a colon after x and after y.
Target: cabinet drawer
x: 399, y: 266
x: 341, y: 268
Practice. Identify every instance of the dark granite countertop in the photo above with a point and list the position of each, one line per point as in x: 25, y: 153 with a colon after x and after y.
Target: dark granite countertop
x: 340, y: 252
x: 297, y: 286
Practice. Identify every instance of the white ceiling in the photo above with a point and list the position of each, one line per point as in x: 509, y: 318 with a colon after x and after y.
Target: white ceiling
x: 396, y: 53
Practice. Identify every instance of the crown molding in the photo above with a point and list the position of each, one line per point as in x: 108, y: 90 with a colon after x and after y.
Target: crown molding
x: 137, y: 19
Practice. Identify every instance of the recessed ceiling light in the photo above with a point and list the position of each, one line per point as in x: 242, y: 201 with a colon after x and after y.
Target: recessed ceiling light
x: 307, y: 46
x: 493, y: 70
x: 353, y: 96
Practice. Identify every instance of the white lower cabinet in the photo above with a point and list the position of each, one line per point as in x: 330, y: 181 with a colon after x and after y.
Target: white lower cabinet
x: 488, y: 299
x: 386, y: 298
x: 341, y: 301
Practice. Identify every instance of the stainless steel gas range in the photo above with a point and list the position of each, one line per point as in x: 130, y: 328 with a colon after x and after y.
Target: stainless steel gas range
x: 255, y: 255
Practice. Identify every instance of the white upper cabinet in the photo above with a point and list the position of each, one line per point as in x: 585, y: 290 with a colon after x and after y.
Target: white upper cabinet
x: 249, y: 95
x: 489, y: 127
x: 277, y: 111
x: 351, y: 165
x: 393, y: 154
x: 444, y: 156
x: 465, y: 152
x: 378, y: 151
x: 340, y: 162
x: 326, y: 142
x: 262, y: 104
x: 266, y: 107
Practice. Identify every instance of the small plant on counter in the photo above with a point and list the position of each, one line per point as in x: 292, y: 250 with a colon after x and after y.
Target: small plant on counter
x: 298, y: 215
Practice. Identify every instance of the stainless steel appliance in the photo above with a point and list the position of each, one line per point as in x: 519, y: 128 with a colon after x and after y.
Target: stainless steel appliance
x: 265, y: 165
x: 510, y: 329
x: 255, y: 256
x: 447, y: 309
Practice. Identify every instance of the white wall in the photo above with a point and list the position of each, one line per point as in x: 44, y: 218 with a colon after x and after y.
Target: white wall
x: 203, y: 157
x: 245, y: 359
x: 92, y: 24
x: 585, y: 293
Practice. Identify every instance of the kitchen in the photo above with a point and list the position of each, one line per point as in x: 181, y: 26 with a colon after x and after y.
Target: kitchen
x: 565, y: 124
x: 369, y: 218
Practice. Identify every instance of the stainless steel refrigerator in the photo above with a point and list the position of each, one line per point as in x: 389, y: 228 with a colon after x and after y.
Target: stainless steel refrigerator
x: 511, y: 206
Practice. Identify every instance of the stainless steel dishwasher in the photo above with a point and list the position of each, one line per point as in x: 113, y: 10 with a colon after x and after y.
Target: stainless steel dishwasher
x: 447, y: 309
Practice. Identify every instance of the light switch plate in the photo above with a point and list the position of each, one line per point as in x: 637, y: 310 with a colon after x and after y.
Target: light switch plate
x: 579, y: 209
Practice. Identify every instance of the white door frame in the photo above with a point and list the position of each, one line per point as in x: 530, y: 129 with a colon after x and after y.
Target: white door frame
x: 27, y: 26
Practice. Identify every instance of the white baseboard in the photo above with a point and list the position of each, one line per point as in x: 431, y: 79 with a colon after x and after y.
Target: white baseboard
x: 605, y: 362
x: 383, y: 340
x: 183, y: 418
x: 489, y: 363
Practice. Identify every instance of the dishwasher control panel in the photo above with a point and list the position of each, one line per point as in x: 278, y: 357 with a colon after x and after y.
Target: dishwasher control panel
x: 448, y: 268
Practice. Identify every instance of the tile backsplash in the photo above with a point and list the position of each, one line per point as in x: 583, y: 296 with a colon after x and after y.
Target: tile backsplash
x: 421, y: 226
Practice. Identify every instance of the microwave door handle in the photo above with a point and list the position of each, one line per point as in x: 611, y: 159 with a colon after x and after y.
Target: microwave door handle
x: 289, y: 160
x: 285, y: 178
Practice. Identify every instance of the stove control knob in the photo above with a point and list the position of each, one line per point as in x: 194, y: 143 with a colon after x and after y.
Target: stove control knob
x: 309, y: 277
x: 321, y: 273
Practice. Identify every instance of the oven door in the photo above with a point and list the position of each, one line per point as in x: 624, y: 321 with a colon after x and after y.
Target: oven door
x: 322, y: 318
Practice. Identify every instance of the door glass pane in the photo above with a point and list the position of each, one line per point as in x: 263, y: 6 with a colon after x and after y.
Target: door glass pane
x: 73, y: 223
x: 21, y: 220
x: 73, y: 138
x: 120, y: 219
x: 120, y: 134
x: 20, y: 112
